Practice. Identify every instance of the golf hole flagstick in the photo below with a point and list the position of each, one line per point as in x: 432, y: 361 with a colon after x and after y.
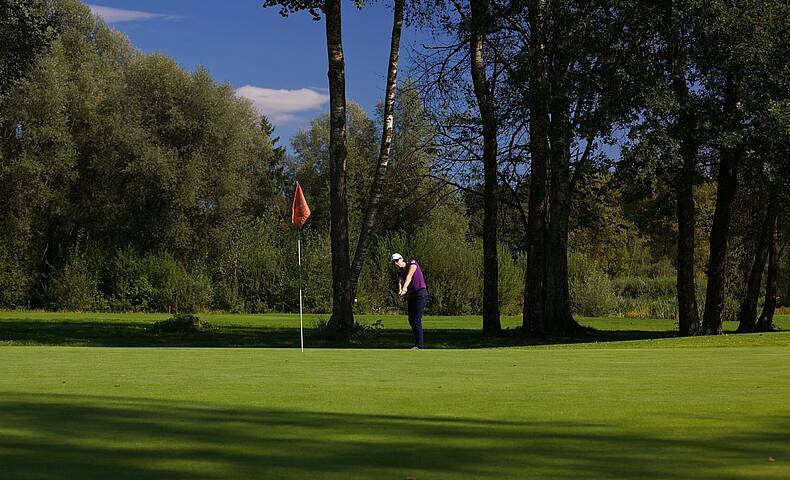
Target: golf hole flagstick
x: 300, y: 212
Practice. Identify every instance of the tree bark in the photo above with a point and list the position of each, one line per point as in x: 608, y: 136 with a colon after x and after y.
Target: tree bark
x: 727, y: 186
x: 558, y: 318
x: 747, y: 316
x: 686, y: 134
x: 766, y: 321
x: 688, y: 311
x: 480, y: 25
x: 533, y: 315
x: 374, y: 195
x: 342, y: 311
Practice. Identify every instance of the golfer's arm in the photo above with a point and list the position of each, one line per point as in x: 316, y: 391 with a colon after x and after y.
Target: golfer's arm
x: 406, y: 282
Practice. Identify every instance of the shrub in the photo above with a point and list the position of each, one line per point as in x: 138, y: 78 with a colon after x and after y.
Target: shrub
x: 641, y: 287
x: 511, y: 281
x: 731, y: 309
x: 590, y: 288
x: 632, y: 308
x: 665, y: 308
x: 126, y: 282
x: 366, y: 332
x: 180, y: 323
x: 173, y: 285
x: 14, y: 279
x: 227, y: 297
x: 76, y: 287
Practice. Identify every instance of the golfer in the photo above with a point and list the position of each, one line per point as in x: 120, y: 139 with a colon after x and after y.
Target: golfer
x: 411, y: 283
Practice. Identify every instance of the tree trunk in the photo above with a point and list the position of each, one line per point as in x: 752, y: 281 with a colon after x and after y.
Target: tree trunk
x: 342, y: 311
x: 747, y: 316
x: 766, y: 321
x: 374, y: 195
x: 688, y: 311
x: 534, y: 287
x: 485, y: 101
x: 558, y: 318
x: 727, y: 186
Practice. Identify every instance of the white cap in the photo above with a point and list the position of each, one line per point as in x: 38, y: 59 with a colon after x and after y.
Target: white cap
x: 395, y: 257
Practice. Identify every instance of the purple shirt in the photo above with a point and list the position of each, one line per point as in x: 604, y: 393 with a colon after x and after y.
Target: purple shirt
x: 417, y: 280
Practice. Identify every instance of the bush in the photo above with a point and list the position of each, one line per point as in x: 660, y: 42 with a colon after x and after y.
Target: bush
x: 452, y: 267
x: 590, y: 288
x: 632, y: 308
x: 731, y: 309
x: 367, y: 332
x: 665, y: 308
x: 180, y: 323
x: 227, y: 297
x: 127, y: 282
x: 76, y: 287
x: 14, y: 280
x: 173, y: 285
x: 645, y: 287
x: 361, y: 332
x: 511, y: 281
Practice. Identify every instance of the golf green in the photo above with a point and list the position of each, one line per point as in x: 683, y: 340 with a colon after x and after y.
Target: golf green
x: 657, y: 408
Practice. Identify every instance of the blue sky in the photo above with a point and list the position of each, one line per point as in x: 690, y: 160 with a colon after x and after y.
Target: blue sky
x: 279, y: 63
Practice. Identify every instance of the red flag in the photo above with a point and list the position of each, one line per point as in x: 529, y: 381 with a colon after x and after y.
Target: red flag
x: 300, y: 212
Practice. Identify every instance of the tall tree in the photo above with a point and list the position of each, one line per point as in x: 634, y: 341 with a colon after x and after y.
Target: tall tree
x: 686, y: 132
x: 481, y: 22
x: 747, y: 316
x: 375, y: 194
x: 743, y: 49
x: 765, y: 322
x: 534, y: 290
x: 570, y: 60
x: 342, y: 292
x: 727, y: 187
x: 457, y: 89
x: 27, y: 27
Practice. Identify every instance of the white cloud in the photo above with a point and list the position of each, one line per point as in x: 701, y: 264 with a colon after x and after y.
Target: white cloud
x: 280, y: 106
x: 117, y: 15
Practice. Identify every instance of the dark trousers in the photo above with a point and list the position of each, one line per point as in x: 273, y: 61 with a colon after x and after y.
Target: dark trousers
x: 417, y: 301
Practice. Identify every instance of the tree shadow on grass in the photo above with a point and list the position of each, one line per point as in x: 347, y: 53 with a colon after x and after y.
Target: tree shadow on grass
x: 117, y: 334
x: 91, y: 437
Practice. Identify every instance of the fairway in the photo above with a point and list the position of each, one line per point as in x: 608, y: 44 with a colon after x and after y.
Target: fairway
x: 656, y: 408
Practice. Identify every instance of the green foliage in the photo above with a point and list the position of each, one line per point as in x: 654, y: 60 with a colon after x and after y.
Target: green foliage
x: 314, y: 7
x: 367, y: 332
x: 173, y: 285
x: 651, y: 287
x: 26, y: 30
x: 14, y: 279
x: 77, y: 285
x: 128, y: 282
x: 591, y: 290
x: 666, y: 307
x: 180, y: 323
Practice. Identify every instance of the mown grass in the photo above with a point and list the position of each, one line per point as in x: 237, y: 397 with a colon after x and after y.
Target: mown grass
x: 684, y: 408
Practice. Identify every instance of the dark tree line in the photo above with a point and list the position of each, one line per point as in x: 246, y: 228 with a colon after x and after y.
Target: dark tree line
x: 700, y: 85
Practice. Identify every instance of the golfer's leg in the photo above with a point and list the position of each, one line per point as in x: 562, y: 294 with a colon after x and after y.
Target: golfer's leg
x: 412, y: 302
x: 419, y: 310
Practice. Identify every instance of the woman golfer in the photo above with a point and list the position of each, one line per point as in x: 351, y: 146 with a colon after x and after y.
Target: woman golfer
x: 412, y: 284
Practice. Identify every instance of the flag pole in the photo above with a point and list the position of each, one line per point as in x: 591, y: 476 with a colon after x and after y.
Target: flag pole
x: 301, y: 317
x: 300, y: 212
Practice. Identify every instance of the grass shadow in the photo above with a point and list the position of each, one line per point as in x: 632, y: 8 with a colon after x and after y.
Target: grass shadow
x: 93, y: 437
x: 120, y: 334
